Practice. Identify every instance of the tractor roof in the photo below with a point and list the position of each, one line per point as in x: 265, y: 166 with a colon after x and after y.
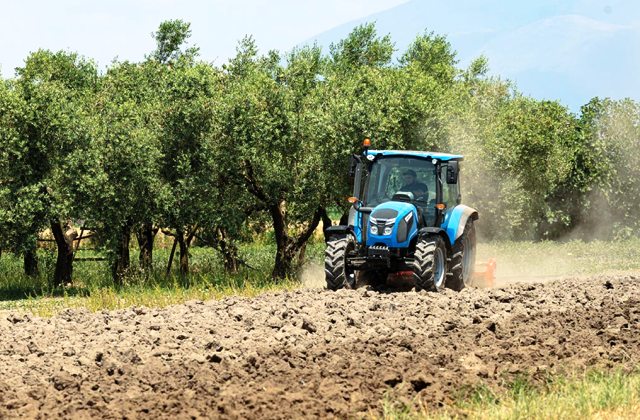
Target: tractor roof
x: 413, y: 153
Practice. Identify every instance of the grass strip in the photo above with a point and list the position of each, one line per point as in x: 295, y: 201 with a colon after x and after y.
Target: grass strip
x: 594, y: 395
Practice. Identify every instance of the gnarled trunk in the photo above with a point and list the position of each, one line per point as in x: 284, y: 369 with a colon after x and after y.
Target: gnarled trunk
x: 228, y: 249
x: 64, y: 261
x: 344, y: 219
x: 326, y: 222
x: 173, y: 252
x: 289, y: 250
x: 183, y: 240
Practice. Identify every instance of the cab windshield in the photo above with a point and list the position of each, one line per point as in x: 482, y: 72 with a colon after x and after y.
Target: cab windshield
x: 390, y: 175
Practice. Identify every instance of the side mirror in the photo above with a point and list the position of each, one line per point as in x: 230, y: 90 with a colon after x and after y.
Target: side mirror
x: 353, y: 165
x: 452, y: 172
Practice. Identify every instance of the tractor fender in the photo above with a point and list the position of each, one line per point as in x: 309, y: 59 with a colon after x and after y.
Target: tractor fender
x: 426, y: 231
x: 430, y: 230
x: 333, y: 231
x: 456, y: 219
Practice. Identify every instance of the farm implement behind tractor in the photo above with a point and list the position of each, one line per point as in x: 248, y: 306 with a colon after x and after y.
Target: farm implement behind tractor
x: 406, y: 223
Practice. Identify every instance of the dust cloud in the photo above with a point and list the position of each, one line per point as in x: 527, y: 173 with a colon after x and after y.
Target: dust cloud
x: 312, y: 276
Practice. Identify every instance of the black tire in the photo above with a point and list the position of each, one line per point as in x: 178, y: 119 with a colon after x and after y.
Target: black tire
x: 430, y: 264
x: 463, y: 259
x: 337, y: 273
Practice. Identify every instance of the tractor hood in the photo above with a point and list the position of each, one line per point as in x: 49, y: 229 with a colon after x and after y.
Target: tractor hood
x: 392, y: 224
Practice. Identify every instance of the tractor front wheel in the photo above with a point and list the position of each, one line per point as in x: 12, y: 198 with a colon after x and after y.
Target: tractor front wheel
x: 337, y: 273
x: 430, y: 264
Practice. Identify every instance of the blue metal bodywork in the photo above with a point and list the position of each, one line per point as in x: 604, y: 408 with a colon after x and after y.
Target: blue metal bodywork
x: 453, y: 224
x: 455, y: 220
x: 357, y: 231
x: 406, y: 214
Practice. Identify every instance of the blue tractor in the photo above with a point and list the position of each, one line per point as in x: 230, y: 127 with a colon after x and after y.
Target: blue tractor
x: 406, y: 219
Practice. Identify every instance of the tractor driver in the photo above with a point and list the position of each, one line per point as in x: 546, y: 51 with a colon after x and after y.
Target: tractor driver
x: 411, y: 184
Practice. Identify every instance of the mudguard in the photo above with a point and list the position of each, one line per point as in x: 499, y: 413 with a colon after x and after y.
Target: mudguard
x: 455, y: 219
x: 337, y: 230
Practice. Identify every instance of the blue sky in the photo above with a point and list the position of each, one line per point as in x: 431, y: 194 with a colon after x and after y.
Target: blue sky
x: 105, y: 29
x: 571, y: 50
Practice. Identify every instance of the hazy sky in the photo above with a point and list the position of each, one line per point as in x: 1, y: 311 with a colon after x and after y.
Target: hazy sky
x: 105, y: 29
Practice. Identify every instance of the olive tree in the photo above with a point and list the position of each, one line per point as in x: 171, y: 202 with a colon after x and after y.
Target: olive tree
x: 51, y: 123
x: 188, y: 138
x: 22, y: 209
x: 272, y: 120
x: 119, y: 167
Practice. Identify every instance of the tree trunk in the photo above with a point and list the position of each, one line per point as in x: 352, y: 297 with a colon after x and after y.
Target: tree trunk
x: 301, y: 254
x: 289, y: 249
x: 344, y: 219
x: 64, y: 260
x: 122, y: 261
x: 229, y: 251
x: 183, y: 243
x: 30, y: 263
x: 145, y: 236
x: 283, y: 262
x: 173, y: 252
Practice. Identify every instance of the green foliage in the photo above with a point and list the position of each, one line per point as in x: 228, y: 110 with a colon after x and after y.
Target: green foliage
x: 43, y: 121
x: 362, y: 48
x: 171, y: 38
x: 533, y: 150
x: 116, y: 172
x: 613, y: 135
x: 433, y: 55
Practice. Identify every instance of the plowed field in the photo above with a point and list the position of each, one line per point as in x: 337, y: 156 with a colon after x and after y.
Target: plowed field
x: 311, y: 353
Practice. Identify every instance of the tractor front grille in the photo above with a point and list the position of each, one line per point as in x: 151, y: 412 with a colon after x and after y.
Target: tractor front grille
x: 378, y: 251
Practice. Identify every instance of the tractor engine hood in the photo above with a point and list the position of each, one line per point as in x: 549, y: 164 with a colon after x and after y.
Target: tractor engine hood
x: 392, y: 224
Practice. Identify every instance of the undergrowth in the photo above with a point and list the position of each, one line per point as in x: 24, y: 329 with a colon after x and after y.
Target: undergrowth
x: 93, y: 288
x: 595, y: 394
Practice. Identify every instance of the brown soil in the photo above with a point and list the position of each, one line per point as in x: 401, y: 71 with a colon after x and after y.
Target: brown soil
x: 311, y: 353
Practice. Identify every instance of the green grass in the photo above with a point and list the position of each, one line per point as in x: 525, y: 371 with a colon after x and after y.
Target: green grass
x: 93, y: 288
x: 534, y: 260
x: 604, y: 395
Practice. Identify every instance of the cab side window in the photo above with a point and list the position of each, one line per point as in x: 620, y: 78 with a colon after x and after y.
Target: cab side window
x: 450, y: 192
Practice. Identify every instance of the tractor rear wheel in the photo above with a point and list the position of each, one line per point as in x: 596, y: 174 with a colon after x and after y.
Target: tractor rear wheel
x: 463, y: 259
x: 337, y: 273
x: 430, y: 264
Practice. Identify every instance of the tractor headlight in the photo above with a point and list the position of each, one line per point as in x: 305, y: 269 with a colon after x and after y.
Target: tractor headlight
x: 387, y: 230
x: 374, y: 229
